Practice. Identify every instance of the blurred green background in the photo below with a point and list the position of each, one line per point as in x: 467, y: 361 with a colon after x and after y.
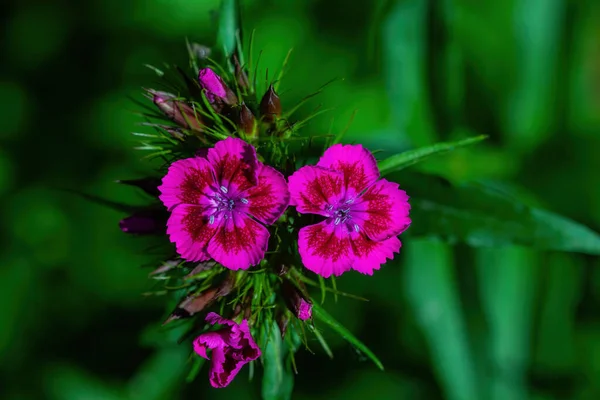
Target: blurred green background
x: 448, y: 322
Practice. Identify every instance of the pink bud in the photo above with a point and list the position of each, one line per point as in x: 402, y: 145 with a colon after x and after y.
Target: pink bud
x: 215, y: 88
x: 179, y: 112
x: 296, y: 301
x: 213, y: 84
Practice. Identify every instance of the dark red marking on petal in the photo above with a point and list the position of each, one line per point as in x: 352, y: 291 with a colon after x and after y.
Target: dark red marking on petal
x: 186, y: 181
x: 356, y: 163
x: 325, y: 249
x: 235, y: 164
x: 369, y: 255
x: 382, y: 211
x: 239, y: 243
x: 270, y: 197
x: 194, y: 185
x: 312, y: 189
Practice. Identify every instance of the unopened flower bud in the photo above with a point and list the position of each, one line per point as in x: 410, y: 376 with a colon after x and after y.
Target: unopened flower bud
x: 179, y: 112
x: 246, y: 121
x: 270, y: 106
x: 146, y: 222
x: 148, y: 185
x: 216, y: 89
x: 296, y: 301
x: 282, y: 319
x: 240, y: 74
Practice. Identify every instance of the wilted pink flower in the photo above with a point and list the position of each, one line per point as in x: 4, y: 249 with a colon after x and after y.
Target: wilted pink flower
x: 232, y: 347
x: 363, y: 214
x: 212, y: 201
x: 212, y: 83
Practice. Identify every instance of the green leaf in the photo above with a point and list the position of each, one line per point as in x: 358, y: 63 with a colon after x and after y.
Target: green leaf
x: 432, y: 292
x: 405, y: 62
x: 197, y: 363
x: 508, y: 279
x: 323, y: 316
x: 408, y: 158
x: 483, y: 217
x: 321, y: 340
x: 159, y: 375
x: 278, y: 381
x: 531, y: 111
x: 228, y: 27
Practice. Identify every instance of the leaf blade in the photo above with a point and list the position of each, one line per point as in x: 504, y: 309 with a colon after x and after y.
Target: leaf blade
x: 400, y: 161
x: 278, y: 381
x: 323, y: 316
x: 484, y: 217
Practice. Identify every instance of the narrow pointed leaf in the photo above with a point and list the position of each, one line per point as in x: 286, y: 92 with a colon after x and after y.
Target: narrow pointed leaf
x: 323, y: 316
x: 408, y: 158
x: 432, y: 291
x: 278, y: 380
x: 228, y: 26
x: 480, y: 216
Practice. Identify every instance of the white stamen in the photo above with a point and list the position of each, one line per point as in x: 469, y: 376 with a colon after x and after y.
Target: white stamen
x: 245, y: 201
x: 211, y: 220
x: 349, y: 201
x: 337, y: 221
x: 223, y: 189
x: 356, y: 227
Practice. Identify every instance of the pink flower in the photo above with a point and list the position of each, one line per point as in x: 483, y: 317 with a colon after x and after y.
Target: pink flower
x: 218, y: 203
x: 363, y: 214
x: 212, y: 83
x: 232, y: 347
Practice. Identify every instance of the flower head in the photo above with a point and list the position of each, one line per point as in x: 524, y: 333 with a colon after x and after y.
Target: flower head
x: 218, y: 203
x: 364, y: 214
x: 232, y: 347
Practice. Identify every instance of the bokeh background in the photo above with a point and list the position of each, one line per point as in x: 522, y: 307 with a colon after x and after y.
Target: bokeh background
x: 448, y: 321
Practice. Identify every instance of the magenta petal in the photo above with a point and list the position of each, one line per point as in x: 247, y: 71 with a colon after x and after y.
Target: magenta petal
x: 369, y: 255
x: 209, y: 340
x: 382, y: 211
x: 223, y: 368
x: 214, y: 318
x: 213, y: 84
x: 232, y: 347
x: 312, y: 189
x: 269, y: 198
x: 239, y: 243
x: 356, y: 163
x: 189, y: 229
x: 235, y: 164
x: 325, y: 249
x: 186, y: 182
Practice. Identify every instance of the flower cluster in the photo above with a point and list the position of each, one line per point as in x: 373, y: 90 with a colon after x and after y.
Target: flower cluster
x: 250, y: 220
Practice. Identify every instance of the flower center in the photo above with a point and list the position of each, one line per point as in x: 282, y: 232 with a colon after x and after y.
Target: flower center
x: 342, y: 214
x: 224, y: 204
